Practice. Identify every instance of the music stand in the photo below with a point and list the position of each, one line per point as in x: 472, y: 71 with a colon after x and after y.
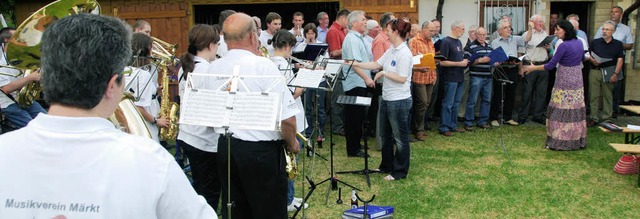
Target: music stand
x: 500, y: 75
x: 360, y: 101
x: 217, y: 102
x: 332, y: 77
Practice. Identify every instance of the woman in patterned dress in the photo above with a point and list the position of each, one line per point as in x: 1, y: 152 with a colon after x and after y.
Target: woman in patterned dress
x: 566, y: 125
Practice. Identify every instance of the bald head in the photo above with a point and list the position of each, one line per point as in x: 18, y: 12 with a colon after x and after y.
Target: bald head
x: 576, y: 25
x: 237, y: 27
x: 238, y: 30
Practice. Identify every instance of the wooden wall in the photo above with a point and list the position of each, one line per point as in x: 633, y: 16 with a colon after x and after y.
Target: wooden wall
x: 375, y: 8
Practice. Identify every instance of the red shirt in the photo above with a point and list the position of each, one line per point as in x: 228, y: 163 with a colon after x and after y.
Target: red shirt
x: 335, y: 37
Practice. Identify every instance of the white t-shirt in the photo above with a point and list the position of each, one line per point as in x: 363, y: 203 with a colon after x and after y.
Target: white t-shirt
x: 253, y: 65
x: 139, y: 82
x: 201, y: 137
x: 6, y: 79
x: 222, y: 48
x: 83, y: 167
x: 300, y: 38
x: 287, y: 72
x: 396, y: 61
x: 264, y: 38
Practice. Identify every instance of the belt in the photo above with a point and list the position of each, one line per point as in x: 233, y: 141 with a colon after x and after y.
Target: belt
x: 535, y: 63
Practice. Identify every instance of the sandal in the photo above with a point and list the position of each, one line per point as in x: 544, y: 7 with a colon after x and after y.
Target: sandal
x: 389, y: 178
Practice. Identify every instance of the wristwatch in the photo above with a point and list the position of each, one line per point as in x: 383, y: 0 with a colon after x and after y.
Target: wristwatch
x: 155, y: 121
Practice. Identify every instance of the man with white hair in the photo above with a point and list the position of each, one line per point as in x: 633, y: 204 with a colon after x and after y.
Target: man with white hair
x: 535, y: 83
x: 356, y: 82
x: 372, y: 30
x: 452, y: 77
x: 323, y: 26
x: 506, y: 71
x: 579, y: 33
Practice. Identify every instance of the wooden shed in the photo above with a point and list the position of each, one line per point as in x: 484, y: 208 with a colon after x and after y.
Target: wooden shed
x: 171, y: 19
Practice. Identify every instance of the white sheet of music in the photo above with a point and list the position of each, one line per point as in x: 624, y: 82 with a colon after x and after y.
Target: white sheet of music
x: 308, y: 78
x: 256, y: 111
x: 333, y: 66
x: 363, y: 101
x: 205, y: 108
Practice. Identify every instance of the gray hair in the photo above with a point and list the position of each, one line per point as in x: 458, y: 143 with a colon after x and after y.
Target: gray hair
x: 473, y: 27
x: 353, y: 16
x: 370, y: 25
x: 457, y: 23
x: 426, y: 24
x: 502, y: 23
x: 76, y: 68
x: 385, y: 18
x: 322, y: 13
x: 536, y: 17
x: 610, y: 22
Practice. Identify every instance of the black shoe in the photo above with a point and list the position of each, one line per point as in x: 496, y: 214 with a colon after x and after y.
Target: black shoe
x: 460, y: 119
x: 591, y: 123
x: 541, y: 121
x: 614, y: 115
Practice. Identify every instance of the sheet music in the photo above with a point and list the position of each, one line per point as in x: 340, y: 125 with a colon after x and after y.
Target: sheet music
x: 333, y: 67
x: 205, y: 108
x: 416, y: 60
x: 221, y: 108
x: 363, y: 101
x: 598, y: 58
x: 255, y: 111
x: 308, y: 78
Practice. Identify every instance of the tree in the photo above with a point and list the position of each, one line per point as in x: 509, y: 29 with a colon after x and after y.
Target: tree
x: 7, y: 9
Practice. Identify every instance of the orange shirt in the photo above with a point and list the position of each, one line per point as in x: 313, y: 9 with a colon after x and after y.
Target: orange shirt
x: 420, y: 45
x: 380, y: 45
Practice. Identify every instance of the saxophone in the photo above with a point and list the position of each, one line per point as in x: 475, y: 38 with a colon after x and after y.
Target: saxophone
x: 168, y: 109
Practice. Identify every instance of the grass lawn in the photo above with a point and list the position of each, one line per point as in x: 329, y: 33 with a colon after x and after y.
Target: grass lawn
x: 469, y: 176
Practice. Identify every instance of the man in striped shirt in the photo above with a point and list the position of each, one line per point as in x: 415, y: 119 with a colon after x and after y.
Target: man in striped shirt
x: 423, y: 79
x: 480, y: 82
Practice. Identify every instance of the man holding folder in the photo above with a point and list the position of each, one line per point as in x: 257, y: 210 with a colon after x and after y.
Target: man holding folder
x: 606, y: 58
x: 423, y: 78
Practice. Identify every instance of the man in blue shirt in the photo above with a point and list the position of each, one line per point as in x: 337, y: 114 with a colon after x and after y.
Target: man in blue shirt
x: 452, y: 77
x: 356, y: 81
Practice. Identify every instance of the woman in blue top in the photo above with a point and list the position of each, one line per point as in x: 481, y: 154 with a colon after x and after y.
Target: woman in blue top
x: 396, y: 100
x: 566, y: 124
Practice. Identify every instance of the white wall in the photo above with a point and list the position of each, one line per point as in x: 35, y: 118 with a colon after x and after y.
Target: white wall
x: 465, y: 10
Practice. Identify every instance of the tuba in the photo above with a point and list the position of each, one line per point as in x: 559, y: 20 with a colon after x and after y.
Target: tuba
x: 23, y: 49
x: 23, y: 52
x: 164, y: 54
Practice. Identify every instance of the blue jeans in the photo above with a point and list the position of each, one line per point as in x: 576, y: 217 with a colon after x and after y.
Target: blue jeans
x: 309, y: 97
x: 394, y: 129
x: 19, y: 116
x: 478, y: 85
x: 450, y: 102
x: 290, y: 189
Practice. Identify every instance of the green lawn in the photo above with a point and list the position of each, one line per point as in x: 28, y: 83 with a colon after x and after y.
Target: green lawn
x: 469, y: 176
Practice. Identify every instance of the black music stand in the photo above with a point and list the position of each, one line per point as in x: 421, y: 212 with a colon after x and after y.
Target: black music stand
x: 332, y: 178
x: 500, y: 75
x: 360, y: 101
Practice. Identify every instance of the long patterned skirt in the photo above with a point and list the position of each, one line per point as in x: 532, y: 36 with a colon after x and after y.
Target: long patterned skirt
x: 567, y: 126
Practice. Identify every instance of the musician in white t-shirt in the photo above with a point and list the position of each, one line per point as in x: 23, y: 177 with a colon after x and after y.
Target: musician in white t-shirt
x: 200, y: 143
x: 73, y: 162
x: 258, y: 177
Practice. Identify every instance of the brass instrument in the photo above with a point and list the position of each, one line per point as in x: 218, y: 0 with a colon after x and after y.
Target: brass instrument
x: 304, y: 63
x: 128, y: 119
x: 292, y: 165
x: 165, y: 54
x: 23, y: 50
x: 264, y: 52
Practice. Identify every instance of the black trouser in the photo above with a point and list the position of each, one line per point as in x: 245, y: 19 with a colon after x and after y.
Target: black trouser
x: 258, y: 178
x: 535, y: 92
x: 511, y: 74
x: 204, y: 171
x: 353, y: 118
